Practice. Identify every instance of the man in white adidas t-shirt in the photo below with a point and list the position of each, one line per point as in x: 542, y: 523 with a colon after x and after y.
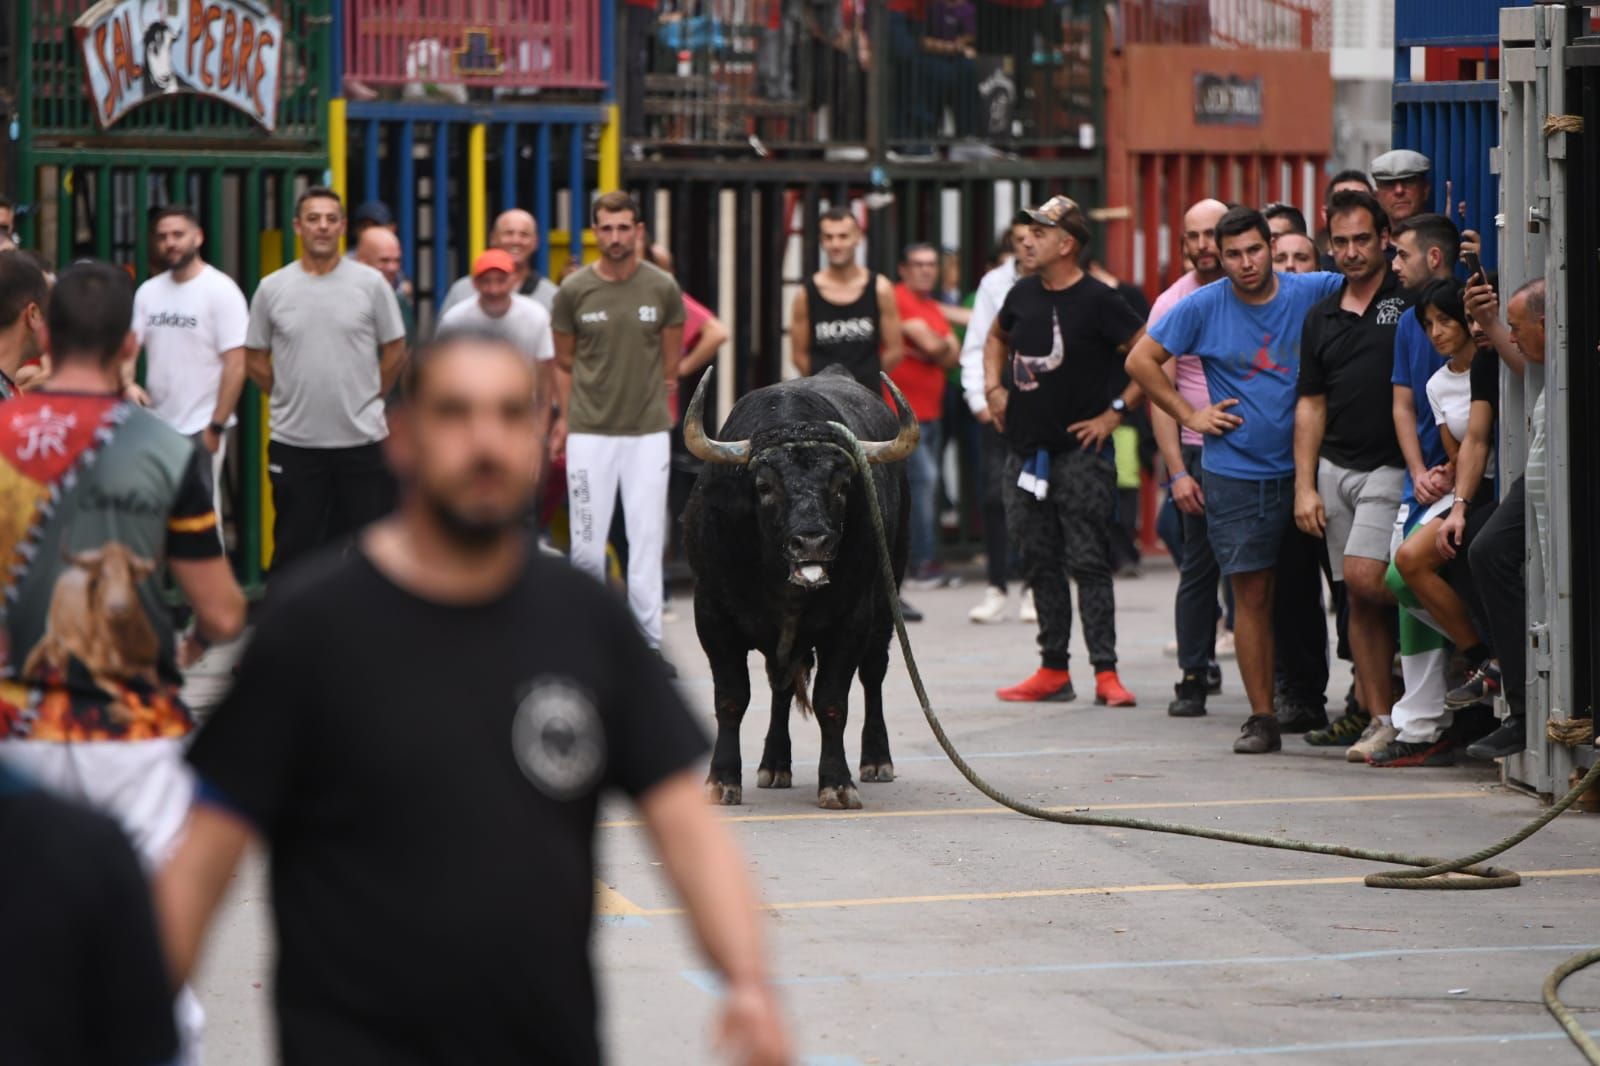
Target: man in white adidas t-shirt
x: 191, y: 320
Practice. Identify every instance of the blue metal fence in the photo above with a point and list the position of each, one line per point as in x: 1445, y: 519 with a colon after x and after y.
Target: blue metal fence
x: 1455, y: 23
x: 1454, y: 123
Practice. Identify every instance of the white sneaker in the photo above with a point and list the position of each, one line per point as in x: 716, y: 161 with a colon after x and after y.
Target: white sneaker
x: 1225, y: 648
x: 992, y: 609
x: 1027, y: 614
x: 1377, y: 736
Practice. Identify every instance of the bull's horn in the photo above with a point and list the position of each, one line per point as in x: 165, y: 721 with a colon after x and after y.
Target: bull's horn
x: 731, y: 453
x: 905, y: 442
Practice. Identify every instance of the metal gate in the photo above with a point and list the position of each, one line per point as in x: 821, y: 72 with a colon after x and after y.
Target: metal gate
x: 1542, y: 174
x: 88, y: 191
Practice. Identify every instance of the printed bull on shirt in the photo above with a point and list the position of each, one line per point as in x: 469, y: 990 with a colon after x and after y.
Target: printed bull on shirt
x: 94, y: 495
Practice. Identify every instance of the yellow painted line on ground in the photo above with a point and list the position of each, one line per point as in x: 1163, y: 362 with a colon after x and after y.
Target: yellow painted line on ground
x: 1057, y: 893
x: 609, y: 903
x: 823, y: 816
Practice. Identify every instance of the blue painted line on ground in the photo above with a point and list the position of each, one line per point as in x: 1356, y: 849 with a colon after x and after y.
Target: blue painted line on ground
x: 631, y: 921
x: 707, y: 981
x: 828, y: 1060
x: 1304, y: 1049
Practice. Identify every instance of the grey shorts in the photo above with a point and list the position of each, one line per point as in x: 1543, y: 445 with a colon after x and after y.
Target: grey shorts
x: 1361, y: 506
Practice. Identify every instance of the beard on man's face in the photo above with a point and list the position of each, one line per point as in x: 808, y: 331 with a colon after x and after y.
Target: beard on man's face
x: 180, y: 260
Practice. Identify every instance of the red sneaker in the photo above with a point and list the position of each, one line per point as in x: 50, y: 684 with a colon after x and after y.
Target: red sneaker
x: 1108, y: 690
x: 1045, y: 686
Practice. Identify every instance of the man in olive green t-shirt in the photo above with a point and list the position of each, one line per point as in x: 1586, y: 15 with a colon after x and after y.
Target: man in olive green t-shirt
x: 618, y: 326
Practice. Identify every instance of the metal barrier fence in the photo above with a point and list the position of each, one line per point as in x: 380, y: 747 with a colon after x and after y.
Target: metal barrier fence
x: 513, y: 44
x: 420, y: 159
x: 1440, y: 23
x: 1266, y: 24
x: 1544, y: 205
x: 766, y: 74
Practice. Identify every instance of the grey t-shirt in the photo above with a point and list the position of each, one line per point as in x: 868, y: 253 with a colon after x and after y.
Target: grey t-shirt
x: 542, y: 290
x: 618, y: 387
x: 324, y: 332
x: 525, y: 324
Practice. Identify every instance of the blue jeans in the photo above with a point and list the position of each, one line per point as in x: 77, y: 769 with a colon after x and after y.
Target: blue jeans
x: 922, y: 470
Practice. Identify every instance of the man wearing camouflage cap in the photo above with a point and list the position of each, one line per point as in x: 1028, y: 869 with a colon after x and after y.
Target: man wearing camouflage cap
x: 1048, y: 373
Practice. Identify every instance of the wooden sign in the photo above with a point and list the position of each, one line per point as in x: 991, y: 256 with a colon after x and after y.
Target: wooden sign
x: 139, y: 50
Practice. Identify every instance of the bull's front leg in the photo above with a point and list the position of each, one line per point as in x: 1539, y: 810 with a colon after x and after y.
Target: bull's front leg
x: 730, y: 677
x: 836, y: 791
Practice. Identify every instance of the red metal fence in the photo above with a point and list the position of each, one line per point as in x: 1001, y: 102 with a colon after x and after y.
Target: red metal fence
x: 1266, y: 24
x: 510, y: 44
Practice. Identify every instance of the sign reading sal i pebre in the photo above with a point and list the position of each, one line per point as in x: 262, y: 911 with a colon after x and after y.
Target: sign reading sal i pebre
x: 138, y: 50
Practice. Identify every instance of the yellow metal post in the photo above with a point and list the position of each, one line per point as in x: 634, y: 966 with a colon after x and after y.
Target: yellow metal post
x: 338, y: 151
x: 611, y: 151
x: 477, y: 190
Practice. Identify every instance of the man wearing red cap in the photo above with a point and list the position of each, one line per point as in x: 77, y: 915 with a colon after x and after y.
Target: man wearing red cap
x: 501, y: 310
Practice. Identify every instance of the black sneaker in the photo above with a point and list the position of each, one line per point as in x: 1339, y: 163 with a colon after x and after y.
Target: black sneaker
x: 1343, y: 732
x: 1258, y: 736
x: 1481, y: 686
x: 1402, y: 753
x: 1510, y: 739
x: 1296, y: 717
x: 909, y: 613
x: 1214, y: 680
x: 1191, y: 701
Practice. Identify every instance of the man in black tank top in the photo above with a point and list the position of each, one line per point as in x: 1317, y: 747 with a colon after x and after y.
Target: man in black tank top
x: 845, y: 315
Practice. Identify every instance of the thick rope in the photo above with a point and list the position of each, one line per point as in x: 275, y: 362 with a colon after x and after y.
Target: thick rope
x: 1429, y: 873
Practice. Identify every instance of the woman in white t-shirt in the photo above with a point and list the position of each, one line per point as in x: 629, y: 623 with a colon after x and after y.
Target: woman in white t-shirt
x: 1466, y: 390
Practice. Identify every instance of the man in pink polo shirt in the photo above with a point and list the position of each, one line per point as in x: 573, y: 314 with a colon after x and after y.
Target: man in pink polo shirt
x: 1196, y: 607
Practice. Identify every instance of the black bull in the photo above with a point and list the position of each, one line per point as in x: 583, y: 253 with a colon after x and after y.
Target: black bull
x: 779, y: 536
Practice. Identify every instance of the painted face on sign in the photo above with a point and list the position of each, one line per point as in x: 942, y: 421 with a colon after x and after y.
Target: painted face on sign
x: 159, y: 76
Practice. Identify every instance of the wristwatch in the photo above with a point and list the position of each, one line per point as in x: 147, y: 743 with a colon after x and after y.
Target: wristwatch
x: 1120, y: 406
x: 218, y: 428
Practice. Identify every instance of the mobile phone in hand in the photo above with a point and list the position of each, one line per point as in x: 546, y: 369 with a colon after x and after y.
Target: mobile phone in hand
x: 1474, y: 267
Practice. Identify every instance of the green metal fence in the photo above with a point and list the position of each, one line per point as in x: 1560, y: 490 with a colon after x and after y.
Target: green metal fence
x: 89, y: 191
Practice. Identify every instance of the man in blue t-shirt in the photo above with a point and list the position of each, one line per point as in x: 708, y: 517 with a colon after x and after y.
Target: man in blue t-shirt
x: 1246, y: 332
x: 1425, y: 247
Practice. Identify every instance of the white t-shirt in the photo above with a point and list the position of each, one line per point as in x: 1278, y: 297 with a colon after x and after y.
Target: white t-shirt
x: 525, y: 324
x: 1450, y: 396
x: 185, y: 327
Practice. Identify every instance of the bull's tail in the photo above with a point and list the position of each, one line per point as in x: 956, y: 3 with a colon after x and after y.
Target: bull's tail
x: 800, y: 678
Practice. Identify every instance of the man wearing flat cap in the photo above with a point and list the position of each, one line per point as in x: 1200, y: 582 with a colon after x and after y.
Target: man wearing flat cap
x: 1402, y: 178
x: 1049, y: 364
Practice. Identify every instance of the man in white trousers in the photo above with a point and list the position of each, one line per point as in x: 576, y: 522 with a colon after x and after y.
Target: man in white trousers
x: 618, y: 328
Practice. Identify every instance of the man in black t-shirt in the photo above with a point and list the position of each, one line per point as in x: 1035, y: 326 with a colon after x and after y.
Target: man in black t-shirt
x: 81, y: 976
x: 420, y: 733
x: 1064, y: 335
x: 1349, y: 471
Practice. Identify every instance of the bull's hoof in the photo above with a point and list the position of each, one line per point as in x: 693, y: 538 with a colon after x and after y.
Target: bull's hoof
x: 883, y: 772
x: 724, y: 795
x: 843, y: 798
x: 766, y: 778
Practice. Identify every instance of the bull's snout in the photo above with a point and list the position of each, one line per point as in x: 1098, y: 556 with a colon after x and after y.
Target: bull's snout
x: 810, y: 547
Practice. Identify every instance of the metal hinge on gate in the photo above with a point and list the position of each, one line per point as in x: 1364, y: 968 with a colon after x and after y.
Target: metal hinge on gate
x: 1540, y: 634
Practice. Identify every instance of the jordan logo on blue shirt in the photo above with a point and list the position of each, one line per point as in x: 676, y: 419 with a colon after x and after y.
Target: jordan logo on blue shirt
x: 1263, y: 361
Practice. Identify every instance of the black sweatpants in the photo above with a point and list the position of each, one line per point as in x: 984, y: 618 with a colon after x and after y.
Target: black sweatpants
x: 1066, y: 537
x: 1300, y: 620
x: 324, y: 494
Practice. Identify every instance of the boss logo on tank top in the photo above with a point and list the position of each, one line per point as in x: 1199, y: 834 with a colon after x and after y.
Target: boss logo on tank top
x: 845, y: 330
x: 558, y: 739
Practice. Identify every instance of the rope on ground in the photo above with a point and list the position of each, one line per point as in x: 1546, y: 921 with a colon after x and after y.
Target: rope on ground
x: 1428, y: 873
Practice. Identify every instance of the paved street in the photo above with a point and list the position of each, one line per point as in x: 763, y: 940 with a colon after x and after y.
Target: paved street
x: 935, y: 928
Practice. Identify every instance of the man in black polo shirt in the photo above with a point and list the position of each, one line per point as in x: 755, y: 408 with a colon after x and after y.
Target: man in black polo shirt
x: 1349, y: 471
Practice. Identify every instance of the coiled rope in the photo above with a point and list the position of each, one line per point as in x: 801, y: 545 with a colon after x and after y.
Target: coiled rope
x: 1426, y: 872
